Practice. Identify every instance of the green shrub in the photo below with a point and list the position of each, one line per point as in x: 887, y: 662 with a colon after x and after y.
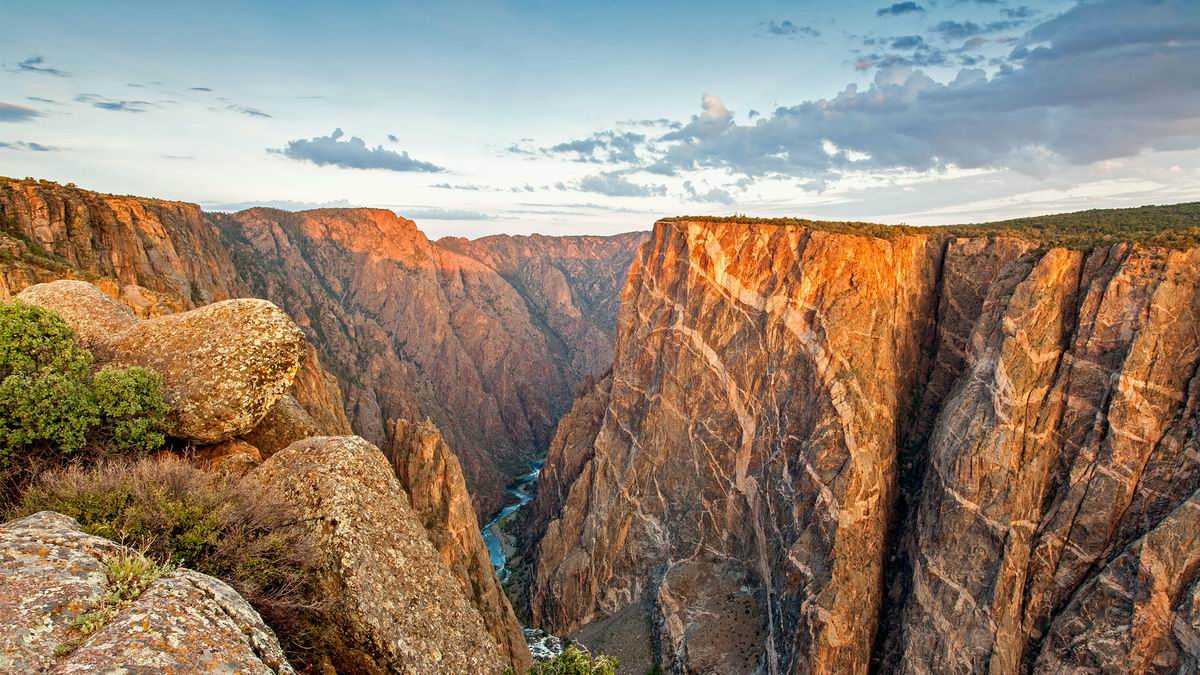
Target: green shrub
x: 50, y: 399
x: 223, y: 526
x: 133, y: 413
x: 574, y: 661
x: 45, y: 391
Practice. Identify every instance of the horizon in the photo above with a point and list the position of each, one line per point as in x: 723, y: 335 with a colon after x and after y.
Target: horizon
x: 501, y: 117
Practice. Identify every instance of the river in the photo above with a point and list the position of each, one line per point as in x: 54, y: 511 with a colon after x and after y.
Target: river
x: 498, y: 543
x: 542, y: 645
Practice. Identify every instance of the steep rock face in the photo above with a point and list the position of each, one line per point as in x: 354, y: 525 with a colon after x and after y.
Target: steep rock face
x: 431, y: 476
x: 51, y: 573
x: 425, y: 329
x: 165, y: 247
x: 398, y: 607
x: 990, y: 444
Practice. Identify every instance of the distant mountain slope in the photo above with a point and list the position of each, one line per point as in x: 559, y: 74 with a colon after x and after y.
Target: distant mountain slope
x: 489, y: 338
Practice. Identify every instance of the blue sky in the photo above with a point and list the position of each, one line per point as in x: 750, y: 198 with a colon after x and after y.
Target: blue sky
x: 573, y: 117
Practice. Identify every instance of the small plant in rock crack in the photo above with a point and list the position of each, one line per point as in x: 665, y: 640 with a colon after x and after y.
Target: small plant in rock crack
x: 129, y: 573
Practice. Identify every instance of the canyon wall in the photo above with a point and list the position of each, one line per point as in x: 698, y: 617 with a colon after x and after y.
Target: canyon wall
x: 825, y: 451
x: 488, y: 338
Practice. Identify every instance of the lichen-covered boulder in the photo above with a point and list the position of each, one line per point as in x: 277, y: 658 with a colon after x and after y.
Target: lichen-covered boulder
x: 94, y: 315
x: 285, y: 423
x: 184, y: 622
x: 228, y: 457
x: 397, y: 607
x: 223, y: 365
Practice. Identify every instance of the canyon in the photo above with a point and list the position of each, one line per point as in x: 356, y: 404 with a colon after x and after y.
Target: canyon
x: 504, y: 327
x: 773, y: 446
x: 841, y: 449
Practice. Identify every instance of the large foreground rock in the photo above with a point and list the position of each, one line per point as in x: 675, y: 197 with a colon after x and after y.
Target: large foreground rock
x: 223, y: 365
x: 431, y: 475
x: 397, y: 606
x: 185, y: 622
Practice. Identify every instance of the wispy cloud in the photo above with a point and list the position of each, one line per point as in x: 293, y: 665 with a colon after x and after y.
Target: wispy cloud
x: 247, y: 110
x: 11, y: 112
x: 114, y: 105
x: 788, y: 28
x: 281, y: 204
x: 900, y: 9
x: 34, y: 64
x: 29, y: 146
x: 442, y: 214
x: 351, y: 154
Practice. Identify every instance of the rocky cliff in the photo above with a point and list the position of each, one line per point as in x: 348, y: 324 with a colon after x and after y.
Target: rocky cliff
x: 503, y: 327
x: 827, y: 448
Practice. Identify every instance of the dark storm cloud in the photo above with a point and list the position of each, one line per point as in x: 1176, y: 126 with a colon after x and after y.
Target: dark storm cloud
x: 351, y: 154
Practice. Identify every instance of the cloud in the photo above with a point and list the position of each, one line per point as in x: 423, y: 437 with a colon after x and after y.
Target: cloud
x: 787, y: 28
x: 11, y: 112
x: 1103, y: 80
x: 40, y: 99
x: 351, y: 154
x: 900, y: 9
x: 1022, y: 12
x: 27, y: 146
x: 443, y: 214
x: 603, y: 146
x: 248, y: 111
x: 613, y: 184
x: 105, y: 103
x: 281, y: 204
x: 713, y: 120
x: 908, y: 42
x: 392, y: 138
x: 200, y: 89
x: 712, y: 196
x: 33, y: 64
x: 960, y: 30
x: 448, y: 186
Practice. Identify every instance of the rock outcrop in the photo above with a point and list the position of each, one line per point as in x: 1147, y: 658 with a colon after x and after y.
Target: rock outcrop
x: 397, y: 607
x: 504, y: 327
x: 185, y: 622
x: 223, y: 366
x: 827, y: 451
x: 430, y: 474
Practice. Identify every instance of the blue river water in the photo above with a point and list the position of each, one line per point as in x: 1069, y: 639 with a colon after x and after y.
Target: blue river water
x: 522, y: 492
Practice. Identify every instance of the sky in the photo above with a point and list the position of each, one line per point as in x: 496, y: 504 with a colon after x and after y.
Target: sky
x: 475, y: 118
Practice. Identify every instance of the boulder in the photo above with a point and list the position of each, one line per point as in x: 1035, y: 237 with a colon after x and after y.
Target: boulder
x: 285, y: 423
x: 230, y: 457
x: 223, y: 365
x: 186, y: 622
x: 397, y: 607
x: 94, y: 315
